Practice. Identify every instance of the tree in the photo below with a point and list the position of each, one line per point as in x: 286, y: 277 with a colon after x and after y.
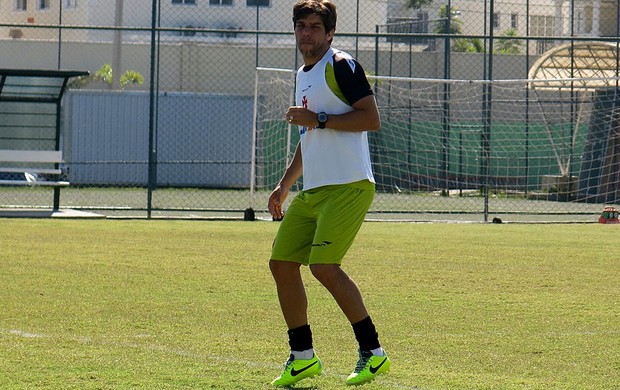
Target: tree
x: 106, y: 75
x: 131, y: 77
x: 468, y: 45
x: 508, y: 46
x: 416, y: 4
x: 441, y: 25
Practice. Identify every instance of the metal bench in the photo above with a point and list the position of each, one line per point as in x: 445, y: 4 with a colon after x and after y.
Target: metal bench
x: 29, y: 164
x: 30, y: 128
x: 32, y: 163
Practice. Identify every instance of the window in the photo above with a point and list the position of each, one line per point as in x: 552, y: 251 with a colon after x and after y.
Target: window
x: 69, y: 3
x: 514, y: 21
x: 541, y: 25
x: 220, y: 2
x: 43, y: 4
x: 21, y: 5
x: 584, y: 20
x: 257, y: 3
x: 184, y: 2
x: 496, y: 20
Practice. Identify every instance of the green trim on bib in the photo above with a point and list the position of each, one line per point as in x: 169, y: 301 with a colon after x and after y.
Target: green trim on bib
x: 330, y: 78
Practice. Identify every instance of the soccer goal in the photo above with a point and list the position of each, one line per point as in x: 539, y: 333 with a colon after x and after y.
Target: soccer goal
x: 467, y: 147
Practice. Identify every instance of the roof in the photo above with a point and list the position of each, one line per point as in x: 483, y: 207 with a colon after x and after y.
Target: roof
x: 578, y: 65
x: 34, y: 85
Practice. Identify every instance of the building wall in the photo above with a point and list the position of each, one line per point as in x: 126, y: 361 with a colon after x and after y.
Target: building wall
x: 354, y: 16
x: 609, y: 12
x: 35, y: 16
x: 472, y: 13
x: 191, y: 67
x: 137, y: 13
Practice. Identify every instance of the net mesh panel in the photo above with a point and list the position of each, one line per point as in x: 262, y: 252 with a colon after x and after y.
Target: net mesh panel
x: 532, y: 150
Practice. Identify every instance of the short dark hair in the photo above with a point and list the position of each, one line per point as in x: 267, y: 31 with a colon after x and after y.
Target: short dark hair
x: 324, y: 8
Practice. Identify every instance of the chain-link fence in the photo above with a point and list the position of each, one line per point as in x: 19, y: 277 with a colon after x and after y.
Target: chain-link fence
x: 163, y: 126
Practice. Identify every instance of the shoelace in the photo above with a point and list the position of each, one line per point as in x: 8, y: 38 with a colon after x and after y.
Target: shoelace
x: 289, y: 361
x: 363, y: 360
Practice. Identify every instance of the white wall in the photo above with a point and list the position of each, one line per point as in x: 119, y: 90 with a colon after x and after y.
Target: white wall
x: 276, y: 17
x: 228, y: 68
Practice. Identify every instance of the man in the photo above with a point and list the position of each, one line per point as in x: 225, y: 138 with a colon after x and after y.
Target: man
x: 335, y: 109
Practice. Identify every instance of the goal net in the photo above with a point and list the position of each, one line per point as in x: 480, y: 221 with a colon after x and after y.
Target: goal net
x: 467, y: 146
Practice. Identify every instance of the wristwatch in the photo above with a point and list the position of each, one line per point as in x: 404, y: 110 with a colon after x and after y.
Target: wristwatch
x: 322, y: 118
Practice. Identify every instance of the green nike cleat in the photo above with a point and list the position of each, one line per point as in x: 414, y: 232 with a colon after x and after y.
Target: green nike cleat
x: 296, y: 370
x: 368, y: 367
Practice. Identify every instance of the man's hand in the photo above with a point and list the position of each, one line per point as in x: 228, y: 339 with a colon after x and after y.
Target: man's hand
x: 276, y: 199
x: 297, y: 115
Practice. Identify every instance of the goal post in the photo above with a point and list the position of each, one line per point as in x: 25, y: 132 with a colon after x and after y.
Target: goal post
x: 465, y: 146
x: 272, y: 135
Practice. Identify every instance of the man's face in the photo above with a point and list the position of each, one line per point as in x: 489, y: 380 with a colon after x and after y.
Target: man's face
x: 312, y: 39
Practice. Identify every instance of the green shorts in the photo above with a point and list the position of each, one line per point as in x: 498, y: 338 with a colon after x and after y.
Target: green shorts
x: 320, y: 224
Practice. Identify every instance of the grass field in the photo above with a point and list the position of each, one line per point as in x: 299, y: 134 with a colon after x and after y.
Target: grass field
x: 125, y: 304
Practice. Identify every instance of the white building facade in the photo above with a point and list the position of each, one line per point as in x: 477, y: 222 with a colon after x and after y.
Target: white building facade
x: 546, y: 17
x: 233, y: 15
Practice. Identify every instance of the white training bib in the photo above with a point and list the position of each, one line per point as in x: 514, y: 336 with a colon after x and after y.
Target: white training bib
x: 329, y: 156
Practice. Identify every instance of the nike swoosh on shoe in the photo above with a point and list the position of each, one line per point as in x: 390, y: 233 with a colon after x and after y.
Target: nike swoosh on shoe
x: 295, y: 372
x: 373, y: 370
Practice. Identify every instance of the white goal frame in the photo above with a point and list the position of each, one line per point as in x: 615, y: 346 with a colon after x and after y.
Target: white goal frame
x: 547, y: 188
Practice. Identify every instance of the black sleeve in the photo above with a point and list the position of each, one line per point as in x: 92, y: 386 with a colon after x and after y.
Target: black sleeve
x: 351, y: 79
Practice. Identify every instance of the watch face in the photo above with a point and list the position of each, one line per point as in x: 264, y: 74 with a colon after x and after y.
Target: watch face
x: 322, y: 117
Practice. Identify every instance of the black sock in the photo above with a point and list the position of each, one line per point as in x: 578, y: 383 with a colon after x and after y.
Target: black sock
x: 366, y: 334
x: 300, y: 339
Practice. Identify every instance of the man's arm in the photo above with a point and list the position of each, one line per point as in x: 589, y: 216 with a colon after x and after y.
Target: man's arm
x: 279, y: 194
x: 364, y: 117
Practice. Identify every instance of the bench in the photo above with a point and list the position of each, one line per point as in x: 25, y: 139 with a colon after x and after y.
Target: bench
x: 30, y: 164
x: 30, y: 127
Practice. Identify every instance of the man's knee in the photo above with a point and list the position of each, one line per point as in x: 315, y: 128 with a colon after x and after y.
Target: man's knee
x: 281, y: 268
x: 325, y: 273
